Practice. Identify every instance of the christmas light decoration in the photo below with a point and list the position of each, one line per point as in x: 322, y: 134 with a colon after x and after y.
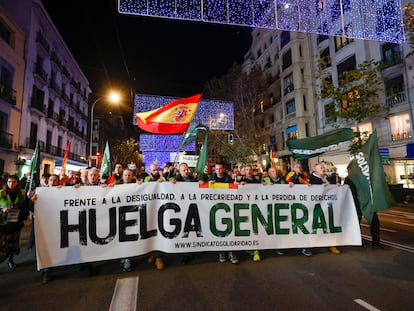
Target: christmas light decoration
x: 217, y: 115
x: 150, y: 142
x: 364, y: 19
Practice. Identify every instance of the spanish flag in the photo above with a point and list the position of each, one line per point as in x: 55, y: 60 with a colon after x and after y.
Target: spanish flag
x: 218, y: 185
x: 173, y: 118
x: 63, y: 177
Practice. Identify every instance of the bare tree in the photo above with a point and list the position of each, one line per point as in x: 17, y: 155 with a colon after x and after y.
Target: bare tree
x: 245, y: 91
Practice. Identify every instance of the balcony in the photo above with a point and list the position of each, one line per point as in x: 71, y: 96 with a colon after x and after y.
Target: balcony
x: 395, y: 59
x: 40, y: 73
x: 65, y: 72
x: 6, y: 140
x: 53, y: 116
x: 55, y: 60
x: 41, y: 40
x: 62, y: 121
x: 37, y: 103
x: 8, y: 94
x: 395, y: 100
x: 65, y: 97
x: 55, y: 87
x: 31, y: 144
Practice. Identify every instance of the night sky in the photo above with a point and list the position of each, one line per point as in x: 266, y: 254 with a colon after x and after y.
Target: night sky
x: 145, y: 55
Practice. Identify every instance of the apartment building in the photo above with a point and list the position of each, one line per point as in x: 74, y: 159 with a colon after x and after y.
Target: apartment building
x: 51, y: 98
x: 395, y: 138
x: 287, y: 108
x: 12, y: 67
x: 290, y: 108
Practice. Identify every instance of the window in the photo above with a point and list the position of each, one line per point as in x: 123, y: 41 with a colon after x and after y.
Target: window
x: 37, y: 98
x: 306, y: 129
x: 50, y: 108
x: 400, y: 127
x: 5, y: 33
x: 391, y: 54
x: 271, y: 119
x: 394, y: 89
x: 288, y: 84
x: 271, y: 99
x: 287, y: 60
x: 48, y: 142
x: 326, y: 82
x: 290, y: 106
x: 394, y: 85
x: 322, y: 38
x: 33, y: 136
x: 325, y: 58
x: 347, y: 65
x: 292, y: 132
x: 6, y: 83
x: 284, y: 38
x: 305, y: 107
x: 60, y: 140
x: 6, y: 76
x: 329, y: 110
x: 340, y: 42
x: 268, y: 63
x: 3, y: 121
x: 365, y: 129
x: 300, y: 50
x: 349, y: 98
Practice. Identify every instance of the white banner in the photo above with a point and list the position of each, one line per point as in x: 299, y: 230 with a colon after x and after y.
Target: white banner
x: 93, y: 223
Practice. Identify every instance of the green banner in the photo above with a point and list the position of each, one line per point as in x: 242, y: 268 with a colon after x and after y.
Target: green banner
x: 313, y: 146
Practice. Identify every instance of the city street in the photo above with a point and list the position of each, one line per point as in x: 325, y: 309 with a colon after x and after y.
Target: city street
x: 360, y: 278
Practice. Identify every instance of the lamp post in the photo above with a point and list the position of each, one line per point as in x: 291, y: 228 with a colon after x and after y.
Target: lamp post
x: 113, y: 97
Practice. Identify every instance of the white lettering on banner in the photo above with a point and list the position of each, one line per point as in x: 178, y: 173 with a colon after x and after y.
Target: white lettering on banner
x: 93, y: 223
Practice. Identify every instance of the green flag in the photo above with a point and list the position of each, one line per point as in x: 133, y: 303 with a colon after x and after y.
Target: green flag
x: 34, y: 169
x: 106, y: 162
x: 366, y: 172
x: 202, y: 158
x: 191, y: 134
x: 313, y: 146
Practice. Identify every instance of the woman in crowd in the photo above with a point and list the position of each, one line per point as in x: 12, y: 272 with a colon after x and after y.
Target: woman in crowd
x: 14, y: 211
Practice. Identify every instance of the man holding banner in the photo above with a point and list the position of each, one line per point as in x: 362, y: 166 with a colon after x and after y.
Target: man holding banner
x: 220, y: 176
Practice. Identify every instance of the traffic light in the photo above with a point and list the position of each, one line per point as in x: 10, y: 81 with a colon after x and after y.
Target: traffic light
x: 231, y: 139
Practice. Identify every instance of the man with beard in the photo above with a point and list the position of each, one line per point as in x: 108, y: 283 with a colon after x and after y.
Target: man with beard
x: 154, y: 174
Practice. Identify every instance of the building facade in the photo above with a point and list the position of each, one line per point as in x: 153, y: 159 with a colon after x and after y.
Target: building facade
x: 54, y: 94
x: 287, y: 108
x: 290, y: 108
x: 394, y: 131
x: 12, y: 69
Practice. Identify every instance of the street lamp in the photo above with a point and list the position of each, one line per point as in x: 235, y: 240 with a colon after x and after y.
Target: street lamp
x: 114, y: 98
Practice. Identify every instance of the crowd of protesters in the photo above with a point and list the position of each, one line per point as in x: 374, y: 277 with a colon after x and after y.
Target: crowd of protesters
x: 16, y: 203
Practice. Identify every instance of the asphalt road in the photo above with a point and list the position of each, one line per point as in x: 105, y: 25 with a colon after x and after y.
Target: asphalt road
x: 360, y: 278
